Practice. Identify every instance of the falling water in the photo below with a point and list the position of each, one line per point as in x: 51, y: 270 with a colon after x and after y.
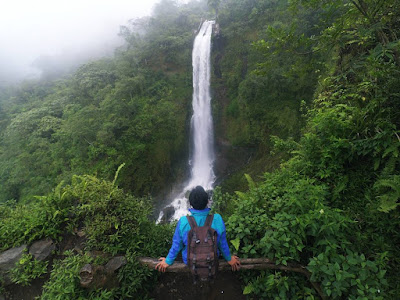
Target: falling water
x: 202, y: 158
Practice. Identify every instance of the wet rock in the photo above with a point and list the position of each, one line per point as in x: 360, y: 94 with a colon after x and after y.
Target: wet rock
x: 115, y: 263
x: 8, y: 259
x: 42, y: 249
x: 168, y: 212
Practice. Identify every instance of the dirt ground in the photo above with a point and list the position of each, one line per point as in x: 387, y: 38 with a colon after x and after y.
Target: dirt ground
x: 179, y: 286
x: 171, y: 286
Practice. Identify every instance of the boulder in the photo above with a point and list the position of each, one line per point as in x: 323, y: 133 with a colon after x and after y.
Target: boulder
x: 86, y: 275
x: 115, y: 263
x: 95, y: 277
x: 42, y: 249
x: 8, y: 259
x: 168, y: 212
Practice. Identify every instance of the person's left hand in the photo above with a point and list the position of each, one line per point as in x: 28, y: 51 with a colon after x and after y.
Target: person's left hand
x: 162, y: 265
x: 234, y: 263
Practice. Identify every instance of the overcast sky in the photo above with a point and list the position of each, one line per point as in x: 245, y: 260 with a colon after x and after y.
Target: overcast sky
x: 30, y: 28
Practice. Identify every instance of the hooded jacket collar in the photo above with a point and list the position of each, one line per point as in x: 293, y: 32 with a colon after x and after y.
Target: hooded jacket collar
x: 202, y: 212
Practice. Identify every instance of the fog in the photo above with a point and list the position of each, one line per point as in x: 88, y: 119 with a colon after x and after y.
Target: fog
x: 60, y: 33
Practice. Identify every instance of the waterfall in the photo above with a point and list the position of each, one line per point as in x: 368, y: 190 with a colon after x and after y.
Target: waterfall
x: 202, y: 157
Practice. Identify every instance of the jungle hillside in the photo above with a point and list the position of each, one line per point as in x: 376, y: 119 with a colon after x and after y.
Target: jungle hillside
x: 306, y: 112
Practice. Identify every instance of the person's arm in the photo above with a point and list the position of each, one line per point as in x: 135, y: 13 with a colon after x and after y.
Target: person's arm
x: 223, y: 245
x: 177, y: 246
x: 233, y: 261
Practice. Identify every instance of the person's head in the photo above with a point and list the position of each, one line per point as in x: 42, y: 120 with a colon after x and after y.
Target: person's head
x: 198, y: 198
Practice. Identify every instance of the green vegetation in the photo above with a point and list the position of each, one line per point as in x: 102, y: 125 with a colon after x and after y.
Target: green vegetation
x: 64, y: 280
x: 315, y: 82
x: 261, y: 87
x: 130, y: 109
x: 28, y: 269
x: 113, y: 223
x: 332, y: 206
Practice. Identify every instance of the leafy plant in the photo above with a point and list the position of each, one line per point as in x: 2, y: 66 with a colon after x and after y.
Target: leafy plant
x: 27, y: 269
x: 64, y: 278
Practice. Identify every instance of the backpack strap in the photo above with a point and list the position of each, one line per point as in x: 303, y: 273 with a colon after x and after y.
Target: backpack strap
x: 192, y: 222
x: 209, y: 220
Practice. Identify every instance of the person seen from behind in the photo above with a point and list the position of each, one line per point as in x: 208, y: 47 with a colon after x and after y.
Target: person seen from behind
x: 198, y: 199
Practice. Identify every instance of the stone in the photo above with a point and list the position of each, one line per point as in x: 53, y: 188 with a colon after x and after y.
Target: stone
x: 8, y: 259
x: 115, y: 263
x: 42, y: 249
x: 95, y: 277
x: 86, y: 275
x: 168, y: 212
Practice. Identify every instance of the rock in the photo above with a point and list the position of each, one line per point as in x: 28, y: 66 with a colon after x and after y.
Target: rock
x: 95, y: 277
x: 8, y: 259
x: 115, y: 263
x: 86, y: 275
x: 2, y: 297
x: 97, y: 253
x: 42, y: 249
x: 168, y: 213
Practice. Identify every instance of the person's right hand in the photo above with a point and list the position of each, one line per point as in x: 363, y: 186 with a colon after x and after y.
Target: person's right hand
x: 234, y: 263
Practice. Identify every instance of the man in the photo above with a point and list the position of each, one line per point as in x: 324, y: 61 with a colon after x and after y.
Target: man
x: 198, y: 199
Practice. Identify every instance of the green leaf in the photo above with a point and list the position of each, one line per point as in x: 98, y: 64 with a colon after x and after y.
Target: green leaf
x: 236, y: 243
x: 250, y: 181
x: 248, y: 289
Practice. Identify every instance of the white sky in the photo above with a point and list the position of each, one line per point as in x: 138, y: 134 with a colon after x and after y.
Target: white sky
x: 30, y: 28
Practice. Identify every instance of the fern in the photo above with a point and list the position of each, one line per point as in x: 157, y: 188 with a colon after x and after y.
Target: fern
x: 390, y: 192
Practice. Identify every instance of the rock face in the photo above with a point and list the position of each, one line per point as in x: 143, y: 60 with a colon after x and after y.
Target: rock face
x: 94, y: 277
x: 42, y: 249
x: 8, y: 259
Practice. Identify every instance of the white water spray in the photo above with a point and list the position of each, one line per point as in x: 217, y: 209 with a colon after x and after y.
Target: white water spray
x: 202, y: 159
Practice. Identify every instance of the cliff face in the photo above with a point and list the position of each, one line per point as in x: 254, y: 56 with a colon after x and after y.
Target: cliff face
x: 230, y: 158
x: 241, y: 141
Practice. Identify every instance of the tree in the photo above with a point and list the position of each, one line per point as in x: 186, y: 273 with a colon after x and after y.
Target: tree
x: 214, y: 4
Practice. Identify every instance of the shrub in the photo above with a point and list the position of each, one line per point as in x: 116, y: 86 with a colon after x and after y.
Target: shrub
x: 27, y: 269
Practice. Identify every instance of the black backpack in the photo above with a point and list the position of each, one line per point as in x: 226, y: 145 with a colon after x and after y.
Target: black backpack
x: 202, y: 250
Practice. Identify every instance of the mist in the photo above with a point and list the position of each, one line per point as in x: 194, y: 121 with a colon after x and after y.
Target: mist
x: 56, y: 36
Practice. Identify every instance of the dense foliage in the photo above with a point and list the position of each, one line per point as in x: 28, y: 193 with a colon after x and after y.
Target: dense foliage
x: 261, y: 88
x: 333, y: 206
x: 27, y: 269
x: 130, y: 109
x: 113, y: 223
x: 317, y: 82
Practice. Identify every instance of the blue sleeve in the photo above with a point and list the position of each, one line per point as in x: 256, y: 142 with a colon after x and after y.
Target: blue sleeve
x: 223, y: 243
x: 177, y: 245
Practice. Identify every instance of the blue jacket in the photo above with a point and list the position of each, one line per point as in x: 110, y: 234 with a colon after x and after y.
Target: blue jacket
x: 179, y: 241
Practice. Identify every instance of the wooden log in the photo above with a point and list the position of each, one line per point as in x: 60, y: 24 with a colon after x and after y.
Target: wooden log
x: 245, y: 264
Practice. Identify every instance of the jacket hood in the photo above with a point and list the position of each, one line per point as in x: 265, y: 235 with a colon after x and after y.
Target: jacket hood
x: 203, y: 212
